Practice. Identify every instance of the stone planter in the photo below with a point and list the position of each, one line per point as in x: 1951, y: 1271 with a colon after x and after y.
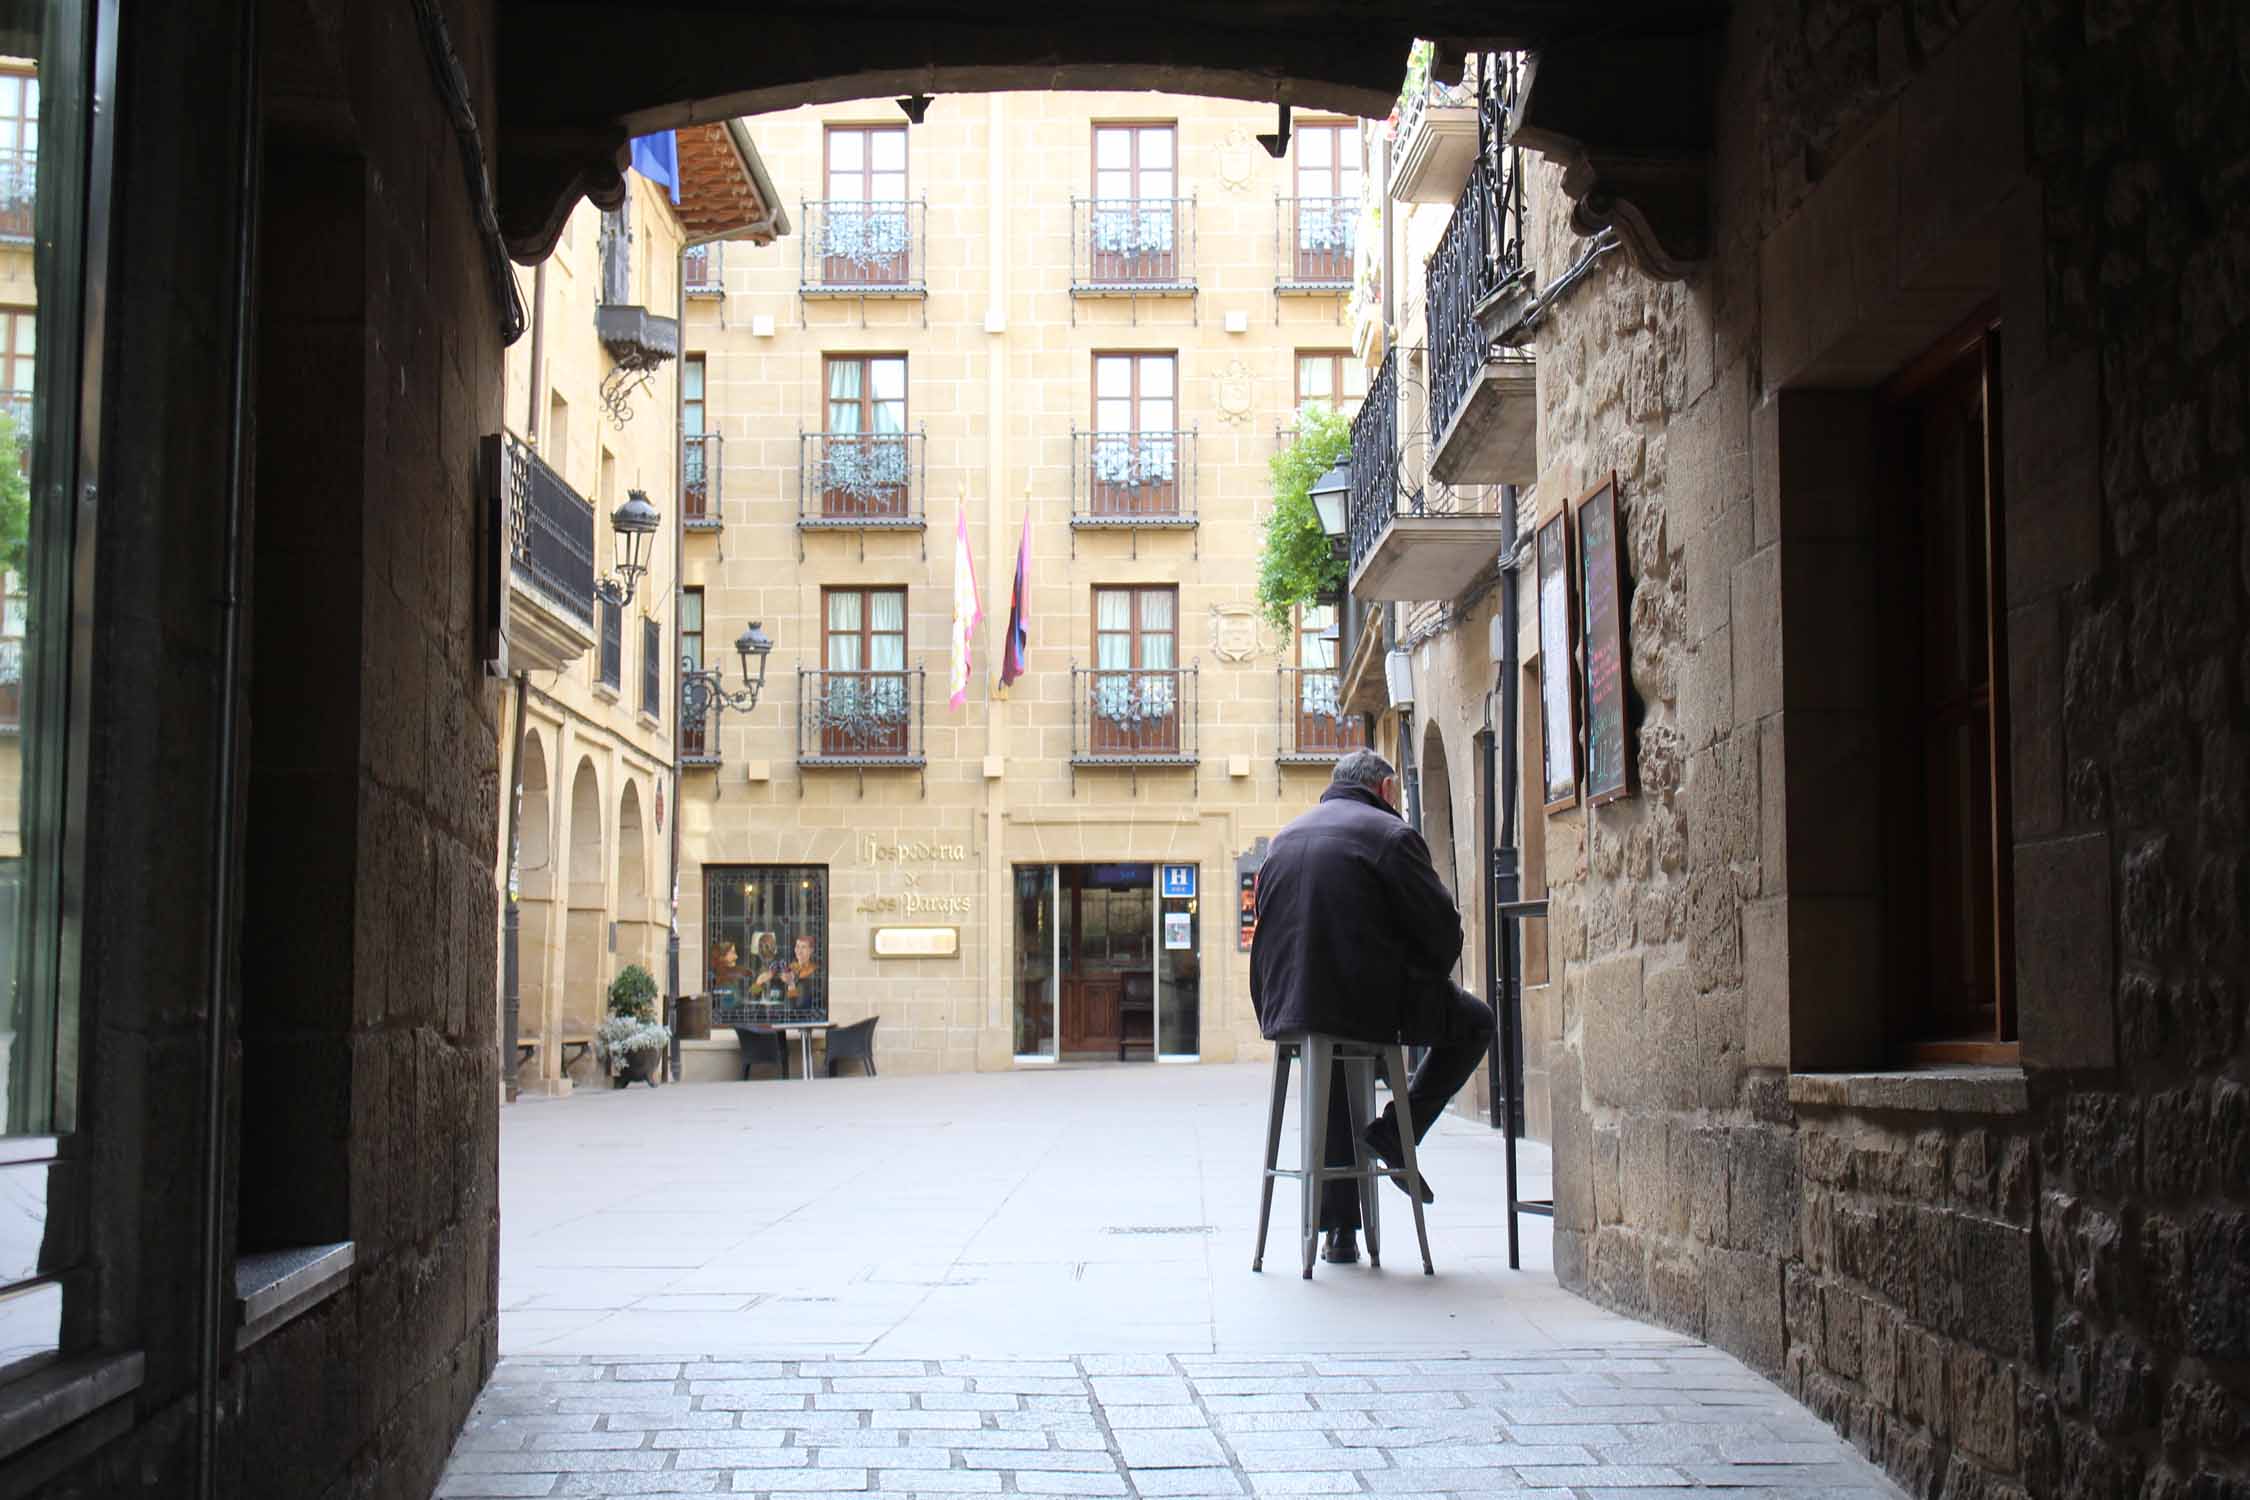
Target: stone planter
x: 640, y: 1067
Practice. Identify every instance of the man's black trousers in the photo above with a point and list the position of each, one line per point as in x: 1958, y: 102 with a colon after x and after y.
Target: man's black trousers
x: 1456, y: 1046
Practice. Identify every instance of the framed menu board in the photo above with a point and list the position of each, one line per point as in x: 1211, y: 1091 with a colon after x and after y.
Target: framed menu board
x: 1558, y: 681
x: 1602, y: 605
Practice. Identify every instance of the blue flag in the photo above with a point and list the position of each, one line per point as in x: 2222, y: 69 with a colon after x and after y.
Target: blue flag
x: 657, y: 157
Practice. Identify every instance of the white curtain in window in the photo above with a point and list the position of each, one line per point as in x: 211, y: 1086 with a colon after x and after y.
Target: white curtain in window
x: 886, y: 623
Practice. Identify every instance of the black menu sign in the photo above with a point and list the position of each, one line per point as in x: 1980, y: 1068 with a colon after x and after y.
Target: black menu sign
x: 1602, y: 596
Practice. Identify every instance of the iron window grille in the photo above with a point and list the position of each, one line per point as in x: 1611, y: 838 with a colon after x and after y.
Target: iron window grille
x: 1124, y: 716
x: 699, y: 481
x: 860, y: 718
x: 1315, y: 240
x: 1480, y: 252
x: 613, y: 645
x: 863, y: 247
x: 855, y: 480
x: 652, y: 669
x: 1132, y: 245
x: 1314, y: 727
x: 1133, y: 478
x: 550, y: 532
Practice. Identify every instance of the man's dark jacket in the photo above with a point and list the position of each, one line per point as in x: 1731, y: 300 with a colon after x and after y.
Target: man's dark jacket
x: 1356, y: 935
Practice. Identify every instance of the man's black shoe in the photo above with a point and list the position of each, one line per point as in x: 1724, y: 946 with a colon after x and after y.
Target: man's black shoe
x: 1341, y: 1247
x: 1381, y: 1137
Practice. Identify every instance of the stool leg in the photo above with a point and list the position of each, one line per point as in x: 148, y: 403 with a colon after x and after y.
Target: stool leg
x: 1360, y: 1078
x: 1316, y: 1060
x: 1406, y: 1147
x: 1281, y: 1054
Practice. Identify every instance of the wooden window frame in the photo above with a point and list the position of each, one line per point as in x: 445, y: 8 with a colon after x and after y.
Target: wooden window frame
x: 1134, y: 129
x: 897, y: 503
x: 837, y: 270
x: 700, y: 402
x: 1317, y: 733
x: 696, y: 740
x: 834, y: 742
x: 1321, y: 264
x: 1971, y: 354
x: 1150, y: 499
x: 1144, y: 266
x: 1155, y: 736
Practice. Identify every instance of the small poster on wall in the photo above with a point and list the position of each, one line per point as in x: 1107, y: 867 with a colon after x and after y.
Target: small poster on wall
x: 1177, y: 930
x: 1602, y: 607
x: 1558, y: 683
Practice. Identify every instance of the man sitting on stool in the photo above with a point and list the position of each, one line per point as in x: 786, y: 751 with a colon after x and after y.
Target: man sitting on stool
x: 1356, y: 938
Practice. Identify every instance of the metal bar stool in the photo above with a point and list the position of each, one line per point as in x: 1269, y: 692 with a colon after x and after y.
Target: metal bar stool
x: 1316, y: 1054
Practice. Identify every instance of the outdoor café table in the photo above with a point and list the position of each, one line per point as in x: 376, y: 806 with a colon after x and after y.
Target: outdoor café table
x: 804, y: 1030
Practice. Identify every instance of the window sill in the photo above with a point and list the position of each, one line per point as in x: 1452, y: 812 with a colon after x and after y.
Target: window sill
x: 43, y: 1403
x: 605, y: 692
x: 271, y: 1287
x: 1933, y: 1090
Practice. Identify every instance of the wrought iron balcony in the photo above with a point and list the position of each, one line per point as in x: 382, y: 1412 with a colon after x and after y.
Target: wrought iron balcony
x: 550, y: 560
x: 860, y: 719
x: 1314, y: 238
x: 1410, y: 540
x: 1132, y: 479
x: 703, y: 270
x: 1137, y: 716
x: 864, y: 248
x: 699, y: 482
x: 1483, y: 395
x: 19, y: 190
x: 1436, y: 141
x: 1137, y: 247
x: 1315, y: 728
x: 861, y: 481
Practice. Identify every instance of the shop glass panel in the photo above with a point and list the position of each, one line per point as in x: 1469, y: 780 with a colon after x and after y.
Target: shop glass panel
x: 1036, y: 938
x: 765, y: 931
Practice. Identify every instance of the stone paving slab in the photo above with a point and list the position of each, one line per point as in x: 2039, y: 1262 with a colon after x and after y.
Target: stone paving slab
x: 1161, y: 1430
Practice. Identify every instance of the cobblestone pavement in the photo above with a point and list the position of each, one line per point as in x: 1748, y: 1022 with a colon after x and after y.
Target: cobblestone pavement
x: 1592, y: 1423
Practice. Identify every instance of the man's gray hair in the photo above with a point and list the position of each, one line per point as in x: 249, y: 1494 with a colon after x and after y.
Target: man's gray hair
x: 1362, y: 768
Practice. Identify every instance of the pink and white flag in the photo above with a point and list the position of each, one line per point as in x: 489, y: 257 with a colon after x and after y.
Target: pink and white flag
x: 968, y: 613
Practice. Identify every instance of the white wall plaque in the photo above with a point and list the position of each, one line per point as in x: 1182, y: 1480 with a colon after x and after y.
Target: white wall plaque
x: 917, y: 942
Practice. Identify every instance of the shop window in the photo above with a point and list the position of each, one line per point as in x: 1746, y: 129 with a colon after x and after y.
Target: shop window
x: 765, y: 935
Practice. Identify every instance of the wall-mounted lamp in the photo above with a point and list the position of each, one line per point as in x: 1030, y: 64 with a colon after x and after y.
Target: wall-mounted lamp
x: 703, y: 694
x: 1331, y: 494
x: 634, y: 523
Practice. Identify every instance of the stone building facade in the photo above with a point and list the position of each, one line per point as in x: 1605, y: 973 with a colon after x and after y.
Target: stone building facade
x: 1208, y: 282
x: 2021, y: 1270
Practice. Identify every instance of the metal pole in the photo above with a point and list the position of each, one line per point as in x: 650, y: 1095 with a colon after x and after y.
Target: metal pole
x: 226, y: 787
x: 679, y: 699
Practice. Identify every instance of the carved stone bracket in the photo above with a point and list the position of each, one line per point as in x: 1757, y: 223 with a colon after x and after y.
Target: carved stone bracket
x: 545, y: 177
x: 1630, y: 124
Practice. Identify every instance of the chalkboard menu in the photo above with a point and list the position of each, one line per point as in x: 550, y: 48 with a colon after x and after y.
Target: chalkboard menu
x: 1558, y: 681
x: 1602, y: 605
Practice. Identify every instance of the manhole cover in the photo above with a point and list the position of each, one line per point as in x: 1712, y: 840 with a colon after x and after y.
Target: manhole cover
x: 1158, y: 1229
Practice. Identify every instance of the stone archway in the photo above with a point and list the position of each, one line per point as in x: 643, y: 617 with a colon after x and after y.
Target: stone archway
x: 633, y: 925
x: 1437, y: 809
x: 535, y: 893
x: 585, y: 973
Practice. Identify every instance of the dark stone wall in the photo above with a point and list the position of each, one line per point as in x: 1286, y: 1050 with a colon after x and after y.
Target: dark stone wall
x: 2042, y: 1294
x: 361, y: 1087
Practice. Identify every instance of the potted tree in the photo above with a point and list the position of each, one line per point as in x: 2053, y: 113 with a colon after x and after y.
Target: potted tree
x: 632, y: 1041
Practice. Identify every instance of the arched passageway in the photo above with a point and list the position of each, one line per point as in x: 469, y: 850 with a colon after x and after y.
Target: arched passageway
x: 633, y: 924
x: 586, y: 968
x: 535, y: 904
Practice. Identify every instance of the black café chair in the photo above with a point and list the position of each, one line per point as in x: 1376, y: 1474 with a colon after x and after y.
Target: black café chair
x: 1136, y: 997
x: 856, y: 1040
x: 760, y: 1045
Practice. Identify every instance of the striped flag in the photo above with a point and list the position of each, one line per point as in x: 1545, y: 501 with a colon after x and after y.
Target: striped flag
x: 968, y: 613
x: 1016, y: 645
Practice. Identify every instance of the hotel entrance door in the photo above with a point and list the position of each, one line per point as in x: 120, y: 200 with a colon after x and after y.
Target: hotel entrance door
x: 1106, y: 965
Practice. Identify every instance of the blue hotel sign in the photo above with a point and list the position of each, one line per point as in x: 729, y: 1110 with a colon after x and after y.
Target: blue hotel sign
x: 1179, y: 882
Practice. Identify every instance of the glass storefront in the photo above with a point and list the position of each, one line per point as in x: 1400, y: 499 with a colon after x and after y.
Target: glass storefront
x: 1107, y: 962
x: 765, y: 932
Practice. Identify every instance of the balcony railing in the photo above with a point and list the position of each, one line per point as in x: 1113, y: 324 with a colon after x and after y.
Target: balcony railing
x: 1314, y: 724
x: 1137, y: 716
x: 853, y: 481
x: 550, y: 532
x: 1132, y: 478
x: 1480, y: 252
x: 864, y: 248
x: 860, y: 718
x: 703, y: 270
x: 699, y: 482
x: 1315, y: 239
x: 1375, y: 462
x: 1128, y: 246
x: 19, y: 191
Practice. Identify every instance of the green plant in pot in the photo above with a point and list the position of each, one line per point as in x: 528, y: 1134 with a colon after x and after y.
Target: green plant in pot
x: 631, y: 1041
